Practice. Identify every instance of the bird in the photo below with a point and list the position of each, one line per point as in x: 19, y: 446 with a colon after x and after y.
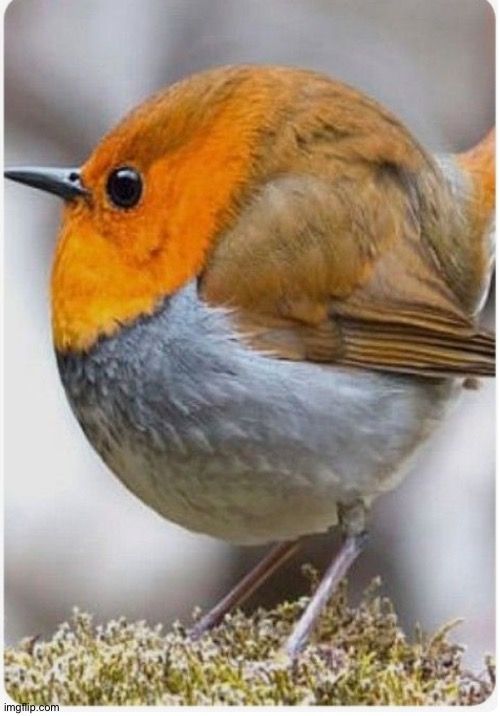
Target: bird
x: 265, y: 298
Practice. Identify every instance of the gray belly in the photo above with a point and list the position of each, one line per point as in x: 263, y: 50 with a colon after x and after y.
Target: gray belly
x: 235, y: 444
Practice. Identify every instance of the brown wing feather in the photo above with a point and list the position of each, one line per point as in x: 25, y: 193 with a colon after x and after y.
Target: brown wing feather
x: 403, y: 348
x: 353, y: 251
x: 439, y: 348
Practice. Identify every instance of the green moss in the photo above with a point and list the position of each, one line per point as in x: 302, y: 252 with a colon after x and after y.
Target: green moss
x: 359, y: 656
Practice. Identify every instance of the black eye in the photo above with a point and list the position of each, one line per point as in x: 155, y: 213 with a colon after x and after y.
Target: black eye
x: 124, y: 187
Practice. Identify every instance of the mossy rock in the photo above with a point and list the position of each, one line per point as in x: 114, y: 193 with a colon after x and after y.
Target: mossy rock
x: 358, y: 656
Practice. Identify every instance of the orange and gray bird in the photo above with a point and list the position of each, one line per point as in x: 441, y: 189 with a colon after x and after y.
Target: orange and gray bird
x: 265, y: 297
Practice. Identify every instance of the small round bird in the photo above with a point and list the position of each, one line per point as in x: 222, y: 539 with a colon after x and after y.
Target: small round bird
x: 265, y: 296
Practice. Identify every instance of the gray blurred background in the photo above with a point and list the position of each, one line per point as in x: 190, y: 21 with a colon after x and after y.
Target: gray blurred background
x: 74, y: 535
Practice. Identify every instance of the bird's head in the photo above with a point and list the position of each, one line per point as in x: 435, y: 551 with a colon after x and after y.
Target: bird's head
x: 141, y: 212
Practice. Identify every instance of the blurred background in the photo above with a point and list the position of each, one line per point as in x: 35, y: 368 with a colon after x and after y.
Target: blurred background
x: 74, y: 535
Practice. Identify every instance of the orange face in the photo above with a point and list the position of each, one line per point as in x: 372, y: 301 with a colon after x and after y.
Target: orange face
x: 192, y: 148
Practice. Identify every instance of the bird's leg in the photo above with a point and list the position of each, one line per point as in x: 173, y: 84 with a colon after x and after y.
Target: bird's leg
x: 247, y: 586
x: 352, y: 522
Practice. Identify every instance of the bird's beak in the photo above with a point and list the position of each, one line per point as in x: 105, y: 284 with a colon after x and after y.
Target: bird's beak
x: 65, y: 183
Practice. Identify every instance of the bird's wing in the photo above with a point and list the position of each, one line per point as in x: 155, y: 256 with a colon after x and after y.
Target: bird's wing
x: 348, y: 272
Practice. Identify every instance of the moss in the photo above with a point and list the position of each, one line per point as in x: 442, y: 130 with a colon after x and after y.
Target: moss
x: 359, y: 656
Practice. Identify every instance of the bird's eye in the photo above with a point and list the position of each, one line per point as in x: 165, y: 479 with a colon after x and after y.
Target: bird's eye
x: 124, y: 187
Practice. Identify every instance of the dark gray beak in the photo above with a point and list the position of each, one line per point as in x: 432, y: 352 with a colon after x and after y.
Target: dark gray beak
x: 65, y: 183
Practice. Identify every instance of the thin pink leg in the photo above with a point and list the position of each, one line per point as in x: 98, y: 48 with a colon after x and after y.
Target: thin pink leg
x: 247, y: 586
x: 351, y: 548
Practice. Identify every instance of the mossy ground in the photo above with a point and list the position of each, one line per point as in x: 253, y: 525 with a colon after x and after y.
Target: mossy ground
x: 359, y: 656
